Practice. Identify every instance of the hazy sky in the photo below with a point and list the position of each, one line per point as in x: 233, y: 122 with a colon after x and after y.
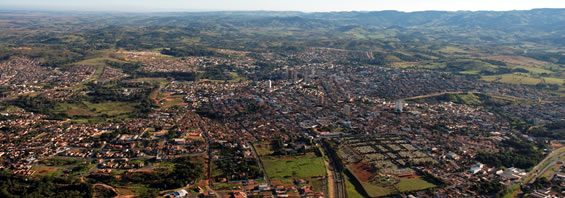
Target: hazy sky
x: 295, y: 5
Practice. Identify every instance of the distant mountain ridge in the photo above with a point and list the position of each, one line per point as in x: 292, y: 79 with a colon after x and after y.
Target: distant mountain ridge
x: 525, y: 27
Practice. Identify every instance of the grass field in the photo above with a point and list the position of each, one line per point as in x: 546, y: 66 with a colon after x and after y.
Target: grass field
x: 263, y: 148
x: 172, y: 102
x: 46, y: 171
x: 288, y: 168
x: 513, y: 79
x: 10, y: 108
x: 405, y: 185
x: 350, y: 189
x: 534, y: 70
x: 62, y: 161
x: 377, y: 190
x: 81, y: 169
x: 161, y: 81
x: 512, y: 191
x: 95, y: 109
x: 557, y: 81
x: 413, y: 184
x: 236, y: 77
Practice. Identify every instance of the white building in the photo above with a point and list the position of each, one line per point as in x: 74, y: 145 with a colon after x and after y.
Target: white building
x: 475, y: 169
x: 399, y: 106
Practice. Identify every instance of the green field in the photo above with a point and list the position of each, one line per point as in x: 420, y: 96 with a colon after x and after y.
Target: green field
x: 287, y: 168
x: 350, y: 189
x: 263, y: 148
x: 513, y: 79
x: 62, y: 161
x: 9, y: 108
x: 413, y: 184
x: 174, y: 102
x: 557, y: 81
x: 95, y: 109
x: 405, y: 185
x: 534, y: 70
x: 513, y: 191
x: 46, y: 171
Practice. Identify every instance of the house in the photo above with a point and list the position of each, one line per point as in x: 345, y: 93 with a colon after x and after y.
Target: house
x: 475, y: 169
x: 452, y: 155
x: 238, y: 194
x: 180, y: 194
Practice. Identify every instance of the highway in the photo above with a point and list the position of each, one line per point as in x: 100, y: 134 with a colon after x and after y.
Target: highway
x: 535, y: 171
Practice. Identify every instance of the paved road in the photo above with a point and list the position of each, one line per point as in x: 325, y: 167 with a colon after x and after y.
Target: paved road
x: 474, y: 92
x: 210, y: 190
x: 535, y: 171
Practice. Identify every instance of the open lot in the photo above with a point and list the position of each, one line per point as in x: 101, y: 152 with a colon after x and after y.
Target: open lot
x: 285, y: 169
x: 46, y: 171
x: 95, y: 109
x: 288, y: 168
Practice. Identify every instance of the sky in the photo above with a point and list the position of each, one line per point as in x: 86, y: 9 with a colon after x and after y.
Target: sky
x: 278, y: 5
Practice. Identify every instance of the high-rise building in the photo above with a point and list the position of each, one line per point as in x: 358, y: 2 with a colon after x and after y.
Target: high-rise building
x: 399, y: 106
x: 290, y: 73
x: 347, y: 110
x: 269, y: 84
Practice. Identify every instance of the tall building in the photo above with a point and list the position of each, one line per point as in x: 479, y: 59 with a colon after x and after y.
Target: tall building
x: 290, y: 73
x: 269, y: 84
x: 399, y: 106
x: 347, y: 110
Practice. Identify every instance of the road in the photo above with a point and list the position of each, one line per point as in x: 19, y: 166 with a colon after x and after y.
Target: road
x: 260, y: 164
x: 473, y: 92
x: 554, y: 156
x: 331, y: 188
x: 210, y: 190
x: 336, y: 172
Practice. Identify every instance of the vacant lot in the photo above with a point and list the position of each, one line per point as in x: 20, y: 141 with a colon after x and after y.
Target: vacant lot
x: 95, y: 109
x: 263, y: 148
x: 413, y: 184
x: 287, y: 168
x: 45, y: 171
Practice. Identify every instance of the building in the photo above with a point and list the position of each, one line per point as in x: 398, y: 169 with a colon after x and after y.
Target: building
x: 180, y: 193
x: 321, y: 100
x: 347, y: 110
x: 475, y: 169
x: 399, y: 106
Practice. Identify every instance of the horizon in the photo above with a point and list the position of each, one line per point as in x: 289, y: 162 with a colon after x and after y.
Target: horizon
x: 313, y: 6
x: 243, y: 11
